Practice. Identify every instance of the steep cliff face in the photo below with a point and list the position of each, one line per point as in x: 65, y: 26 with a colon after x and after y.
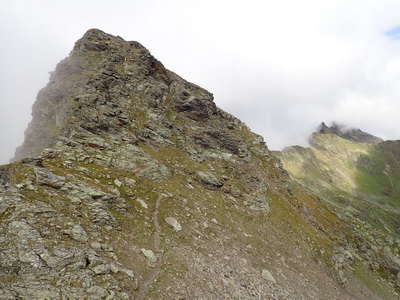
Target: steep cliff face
x: 132, y: 184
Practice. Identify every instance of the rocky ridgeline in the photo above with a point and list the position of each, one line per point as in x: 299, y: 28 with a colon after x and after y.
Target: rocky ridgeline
x: 132, y: 184
x: 103, y: 101
x: 351, y: 134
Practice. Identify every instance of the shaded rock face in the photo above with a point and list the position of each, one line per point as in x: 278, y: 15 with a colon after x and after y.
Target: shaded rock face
x: 132, y: 184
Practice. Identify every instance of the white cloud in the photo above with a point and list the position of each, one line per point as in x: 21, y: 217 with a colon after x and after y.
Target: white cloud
x: 280, y: 66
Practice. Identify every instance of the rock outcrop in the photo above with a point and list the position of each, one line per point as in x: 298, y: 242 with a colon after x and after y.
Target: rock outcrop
x: 132, y: 184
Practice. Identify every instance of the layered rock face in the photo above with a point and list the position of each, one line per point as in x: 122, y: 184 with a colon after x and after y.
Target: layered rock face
x: 132, y: 184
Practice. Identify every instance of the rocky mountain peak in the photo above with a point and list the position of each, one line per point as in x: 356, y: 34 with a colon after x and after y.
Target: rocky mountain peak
x: 351, y: 134
x: 122, y: 170
x: 109, y: 87
x: 132, y: 184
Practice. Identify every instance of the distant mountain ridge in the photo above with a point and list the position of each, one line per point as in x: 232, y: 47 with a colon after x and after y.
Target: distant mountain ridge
x: 351, y: 134
x: 358, y: 174
x: 347, y: 161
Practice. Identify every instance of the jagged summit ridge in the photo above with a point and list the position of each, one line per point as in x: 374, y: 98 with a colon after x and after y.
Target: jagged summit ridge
x: 117, y: 145
x: 103, y: 88
x: 351, y: 134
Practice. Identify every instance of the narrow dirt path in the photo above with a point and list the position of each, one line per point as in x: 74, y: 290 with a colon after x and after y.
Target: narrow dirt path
x: 156, y: 267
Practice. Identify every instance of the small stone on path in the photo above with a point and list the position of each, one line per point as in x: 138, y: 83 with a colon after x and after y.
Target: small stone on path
x: 268, y: 276
x: 174, y: 223
x: 142, y: 203
x: 149, y: 255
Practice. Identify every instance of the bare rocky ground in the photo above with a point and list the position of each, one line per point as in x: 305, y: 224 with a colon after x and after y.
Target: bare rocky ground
x: 132, y: 184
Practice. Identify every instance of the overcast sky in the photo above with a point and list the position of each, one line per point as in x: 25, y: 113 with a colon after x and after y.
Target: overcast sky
x: 282, y: 66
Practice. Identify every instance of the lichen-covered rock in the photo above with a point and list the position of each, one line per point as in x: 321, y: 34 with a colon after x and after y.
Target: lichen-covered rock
x: 8, y: 200
x: 78, y: 234
x: 258, y: 203
x: 61, y: 256
x: 209, y: 179
x: 46, y: 177
x: 155, y: 172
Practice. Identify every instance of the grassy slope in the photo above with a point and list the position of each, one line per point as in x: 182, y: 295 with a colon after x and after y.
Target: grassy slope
x: 296, y: 238
x: 360, y: 178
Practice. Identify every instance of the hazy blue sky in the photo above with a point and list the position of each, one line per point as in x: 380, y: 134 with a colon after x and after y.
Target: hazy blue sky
x: 282, y: 67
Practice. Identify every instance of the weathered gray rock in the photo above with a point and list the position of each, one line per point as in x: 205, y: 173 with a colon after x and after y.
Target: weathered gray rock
x: 8, y: 200
x: 28, y: 242
x: 61, y: 257
x: 46, y: 177
x: 156, y: 134
x: 391, y: 262
x: 258, y: 202
x: 4, y: 177
x: 78, y: 234
x: 268, y: 276
x: 142, y: 203
x: 101, y: 269
x: 149, y: 254
x: 156, y: 172
x: 173, y: 223
x: 209, y: 179
x: 114, y: 268
x: 198, y: 105
x: 101, y: 215
x: 94, y: 260
x: 117, y: 183
x: 83, y: 191
x: 50, y: 153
